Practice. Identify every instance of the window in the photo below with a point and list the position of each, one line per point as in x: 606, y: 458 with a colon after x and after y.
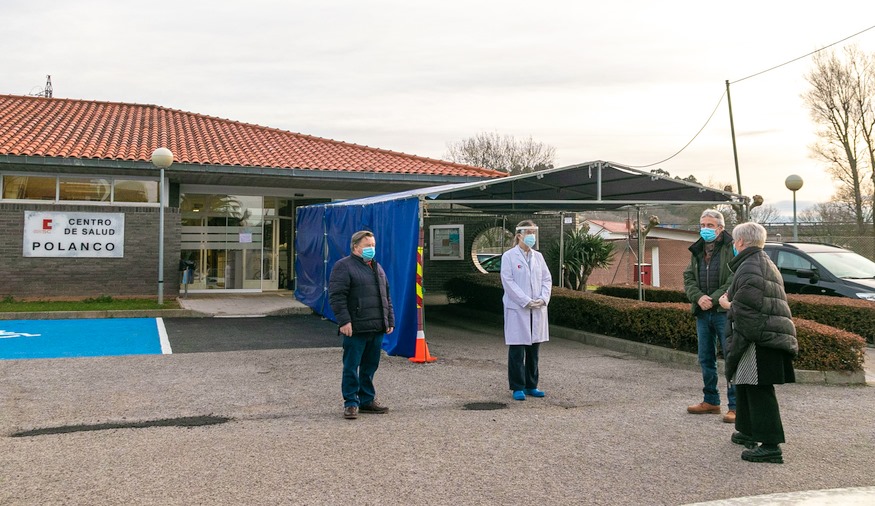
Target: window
x: 790, y: 262
x: 131, y: 190
x: 29, y: 187
x: 78, y: 189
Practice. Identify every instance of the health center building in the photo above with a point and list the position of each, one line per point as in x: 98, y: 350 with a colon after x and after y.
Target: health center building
x: 80, y: 204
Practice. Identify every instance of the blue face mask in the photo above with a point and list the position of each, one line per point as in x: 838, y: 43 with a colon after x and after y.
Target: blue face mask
x: 734, y: 251
x: 529, y: 240
x: 708, y: 234
x: 368, y: 252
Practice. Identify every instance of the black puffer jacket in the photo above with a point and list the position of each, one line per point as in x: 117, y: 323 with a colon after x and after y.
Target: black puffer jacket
x: 759, y: 315
x: 359, y: 293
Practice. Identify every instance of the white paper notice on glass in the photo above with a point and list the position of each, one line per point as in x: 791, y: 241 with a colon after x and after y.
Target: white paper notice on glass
x: 245, y: 237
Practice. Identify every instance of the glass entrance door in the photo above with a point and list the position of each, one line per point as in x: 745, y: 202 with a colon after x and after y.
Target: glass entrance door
x: 270, y: 276
x: 223, y: 236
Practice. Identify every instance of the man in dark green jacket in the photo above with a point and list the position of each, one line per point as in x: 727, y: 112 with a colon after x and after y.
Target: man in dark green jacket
x: 707, y: 278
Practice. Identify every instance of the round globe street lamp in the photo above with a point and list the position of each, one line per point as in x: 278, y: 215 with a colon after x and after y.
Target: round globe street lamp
x: 793, y: 183
x: 161, y: 158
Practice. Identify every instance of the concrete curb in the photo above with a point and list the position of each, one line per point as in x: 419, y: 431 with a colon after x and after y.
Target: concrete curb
x: 287, y: 311
x: 71, y: 315
x: 665, y: 355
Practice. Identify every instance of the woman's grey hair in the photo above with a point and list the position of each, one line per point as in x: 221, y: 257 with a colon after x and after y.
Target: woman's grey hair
x: 751, y: 234
x: 713, y: 213
x: 522, y: 224
x: 358, y: 236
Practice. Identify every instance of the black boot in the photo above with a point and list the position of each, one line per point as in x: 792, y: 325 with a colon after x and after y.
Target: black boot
x: 763, y: 454
x: 743, y: 439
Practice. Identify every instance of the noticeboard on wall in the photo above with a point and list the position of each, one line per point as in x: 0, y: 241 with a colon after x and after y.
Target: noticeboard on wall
x: 447, y: 242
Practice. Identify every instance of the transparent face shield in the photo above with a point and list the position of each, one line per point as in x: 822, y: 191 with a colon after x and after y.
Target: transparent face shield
x: 528, y: 231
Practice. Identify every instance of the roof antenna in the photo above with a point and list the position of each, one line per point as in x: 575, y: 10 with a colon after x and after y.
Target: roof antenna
x: 42, y: 92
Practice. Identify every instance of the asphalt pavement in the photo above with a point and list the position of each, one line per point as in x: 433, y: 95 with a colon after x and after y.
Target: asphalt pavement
x: 613, y: 429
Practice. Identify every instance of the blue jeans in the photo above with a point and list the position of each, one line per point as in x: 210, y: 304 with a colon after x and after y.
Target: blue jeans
x: 361, y: 358
x: 711, y: 326
x: 522, y: 366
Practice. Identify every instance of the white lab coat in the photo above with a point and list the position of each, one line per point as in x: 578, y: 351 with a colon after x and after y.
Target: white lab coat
x: 524, y: 282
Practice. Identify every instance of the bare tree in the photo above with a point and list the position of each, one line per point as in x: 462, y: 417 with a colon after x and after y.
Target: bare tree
x: 502, y: 153
x: 826, y: 219
x: 765, y: 214
x: 865, y: 73
x: 834, y: 104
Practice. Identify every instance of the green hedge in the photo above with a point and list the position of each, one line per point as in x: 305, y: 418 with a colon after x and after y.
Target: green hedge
x: 667, y: 324
x: 854, y: 315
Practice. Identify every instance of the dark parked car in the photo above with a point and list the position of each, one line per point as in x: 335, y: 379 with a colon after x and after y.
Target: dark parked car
x: 823, y: 269
x: 491, y: 263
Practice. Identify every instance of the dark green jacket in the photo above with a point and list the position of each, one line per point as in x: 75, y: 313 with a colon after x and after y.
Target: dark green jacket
x: 691, y: 273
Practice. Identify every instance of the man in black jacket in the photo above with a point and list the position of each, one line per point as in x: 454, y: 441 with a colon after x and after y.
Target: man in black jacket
x: 358, y: 292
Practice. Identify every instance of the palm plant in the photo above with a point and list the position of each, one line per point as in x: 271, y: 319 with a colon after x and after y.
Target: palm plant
x: 583, y: 254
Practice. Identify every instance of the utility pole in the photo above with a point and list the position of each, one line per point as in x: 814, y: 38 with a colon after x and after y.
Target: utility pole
x: 734, y: 147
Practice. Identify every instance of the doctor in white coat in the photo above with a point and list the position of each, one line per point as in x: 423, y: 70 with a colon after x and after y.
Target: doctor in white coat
x: 527, y: 285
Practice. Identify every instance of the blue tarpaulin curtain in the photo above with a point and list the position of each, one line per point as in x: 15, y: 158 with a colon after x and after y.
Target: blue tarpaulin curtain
x: 323, y: 234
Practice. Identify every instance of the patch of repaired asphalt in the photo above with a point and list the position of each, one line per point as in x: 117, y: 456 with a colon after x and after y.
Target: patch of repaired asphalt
x: 186, y: 421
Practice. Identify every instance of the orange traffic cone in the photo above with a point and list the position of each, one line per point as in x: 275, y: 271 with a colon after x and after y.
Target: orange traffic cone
x: 422, y: 355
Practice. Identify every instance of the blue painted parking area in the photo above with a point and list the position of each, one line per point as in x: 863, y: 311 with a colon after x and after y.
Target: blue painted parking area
x: 23, y: 339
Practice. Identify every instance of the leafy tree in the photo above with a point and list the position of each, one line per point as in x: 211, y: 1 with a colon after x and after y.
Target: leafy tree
x: 583, y: 254
x: 502, y: 153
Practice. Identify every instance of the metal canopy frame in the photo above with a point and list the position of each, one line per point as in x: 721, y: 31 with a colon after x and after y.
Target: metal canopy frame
x: 596, y: 185
x: 589, y: 186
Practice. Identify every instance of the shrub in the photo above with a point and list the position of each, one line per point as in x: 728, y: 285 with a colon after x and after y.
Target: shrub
x: 651, y: 293
x: 853, y: 315
x: 666, y: 324
x: 825, y: 348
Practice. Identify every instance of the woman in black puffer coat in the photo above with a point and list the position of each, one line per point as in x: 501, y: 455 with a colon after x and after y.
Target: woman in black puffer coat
x: 761, y: 345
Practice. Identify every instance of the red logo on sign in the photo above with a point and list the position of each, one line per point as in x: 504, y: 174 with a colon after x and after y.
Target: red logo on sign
x: 47, y: 224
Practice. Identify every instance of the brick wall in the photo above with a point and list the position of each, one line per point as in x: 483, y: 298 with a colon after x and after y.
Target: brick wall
x: 62, y: 278
x: 674, y: 256
x: 437, y: 272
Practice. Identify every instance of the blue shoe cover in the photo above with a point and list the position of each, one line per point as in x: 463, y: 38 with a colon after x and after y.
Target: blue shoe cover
x: 534, y: 392
x: 519, y: 395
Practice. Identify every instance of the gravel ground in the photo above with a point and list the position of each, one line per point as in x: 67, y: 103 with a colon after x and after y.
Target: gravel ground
x: 613, y: 429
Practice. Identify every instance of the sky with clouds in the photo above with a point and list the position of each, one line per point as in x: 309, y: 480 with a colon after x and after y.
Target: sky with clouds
x: 628, y: 81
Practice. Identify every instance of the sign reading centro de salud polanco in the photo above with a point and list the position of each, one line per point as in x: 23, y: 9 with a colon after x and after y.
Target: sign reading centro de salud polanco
x: 74, y: 235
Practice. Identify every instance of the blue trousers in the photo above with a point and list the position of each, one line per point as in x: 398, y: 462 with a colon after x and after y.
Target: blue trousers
x: 522, y: 366
x: 711, y: 327
x: 361, y: 358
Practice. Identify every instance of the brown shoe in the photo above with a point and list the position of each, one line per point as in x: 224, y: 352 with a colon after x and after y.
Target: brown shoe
x: 729, y: 417
x: 351, y: 412
x: 373, y: 407
x: 703, y: 408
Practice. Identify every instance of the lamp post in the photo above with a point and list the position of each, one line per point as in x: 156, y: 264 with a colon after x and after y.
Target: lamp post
x: 161, y: 158
x: 793, y: 183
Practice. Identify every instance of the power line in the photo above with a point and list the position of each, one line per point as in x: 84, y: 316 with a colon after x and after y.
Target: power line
x: 803, y: 56
x: 719, y: 101
x: 742, y: 79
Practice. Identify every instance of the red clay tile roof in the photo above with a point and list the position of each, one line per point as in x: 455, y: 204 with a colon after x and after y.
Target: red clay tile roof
x: 57, y: 127
x: 617, y: 227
